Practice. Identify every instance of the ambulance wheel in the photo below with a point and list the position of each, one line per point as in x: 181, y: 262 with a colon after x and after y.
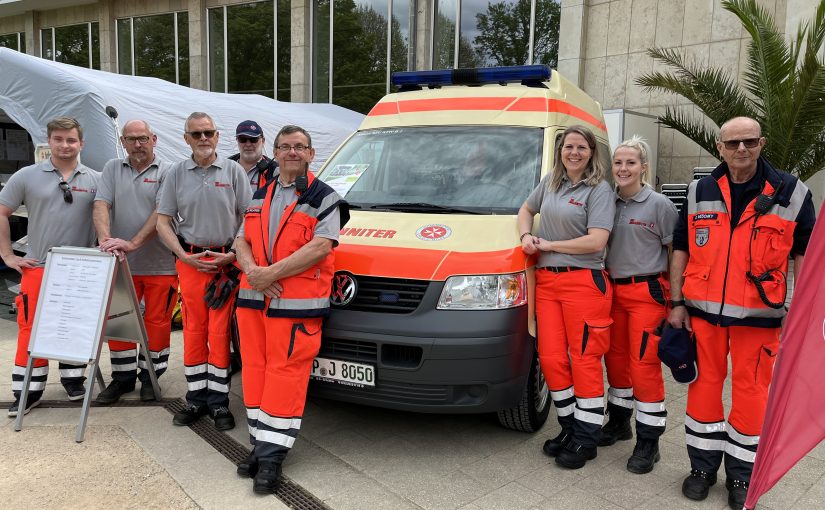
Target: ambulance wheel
x: 532, y: 410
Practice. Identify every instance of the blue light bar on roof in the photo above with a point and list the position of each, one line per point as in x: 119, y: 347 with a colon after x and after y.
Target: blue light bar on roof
x: 472, y: 76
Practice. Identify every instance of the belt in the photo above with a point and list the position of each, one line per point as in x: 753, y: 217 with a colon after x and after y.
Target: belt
x: 637, y: 279
x: 562, y: 269
x: 191, y: 248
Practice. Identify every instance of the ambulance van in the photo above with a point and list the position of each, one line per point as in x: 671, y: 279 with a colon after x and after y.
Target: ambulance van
x: 433, y: 297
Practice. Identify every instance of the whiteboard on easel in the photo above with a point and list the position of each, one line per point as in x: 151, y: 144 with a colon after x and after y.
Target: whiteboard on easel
x: 72, y: 304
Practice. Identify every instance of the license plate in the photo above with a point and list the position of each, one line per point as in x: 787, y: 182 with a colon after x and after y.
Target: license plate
x: 343, y: 372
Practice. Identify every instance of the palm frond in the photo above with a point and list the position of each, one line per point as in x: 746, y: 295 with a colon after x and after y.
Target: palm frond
x: 690, y: 127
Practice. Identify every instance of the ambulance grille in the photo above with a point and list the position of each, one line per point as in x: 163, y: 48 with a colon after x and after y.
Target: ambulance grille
x: 350, y: 350
x: 387, y: 295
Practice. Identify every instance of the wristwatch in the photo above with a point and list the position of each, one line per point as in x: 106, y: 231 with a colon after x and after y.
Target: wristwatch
x: 677, y: 302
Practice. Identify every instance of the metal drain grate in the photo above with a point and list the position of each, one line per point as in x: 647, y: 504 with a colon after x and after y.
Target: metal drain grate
x: 65, y: 404
x: 290, y: 493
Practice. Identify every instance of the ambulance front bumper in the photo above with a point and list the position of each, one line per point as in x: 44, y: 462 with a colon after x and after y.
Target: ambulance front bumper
x: 437, y: 361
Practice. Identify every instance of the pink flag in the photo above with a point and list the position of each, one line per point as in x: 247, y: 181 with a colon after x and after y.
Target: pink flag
x: 795, y: 417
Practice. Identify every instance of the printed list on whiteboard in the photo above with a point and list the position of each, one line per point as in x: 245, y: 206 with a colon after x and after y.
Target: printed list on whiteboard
x: 72, y: 302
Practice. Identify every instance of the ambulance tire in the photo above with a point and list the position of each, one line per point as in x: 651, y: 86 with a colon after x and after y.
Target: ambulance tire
x: 532, y: 410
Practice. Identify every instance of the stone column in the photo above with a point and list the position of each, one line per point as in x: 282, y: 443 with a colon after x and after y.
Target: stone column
x: 424, y: 34
x: 106, y: 18
x: 301, y: 51
x: 198, y: 77
x: 572, y: 35
x: 33, y: 33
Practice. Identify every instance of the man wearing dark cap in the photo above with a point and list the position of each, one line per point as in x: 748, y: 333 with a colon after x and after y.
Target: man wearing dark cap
x: 250, y: 156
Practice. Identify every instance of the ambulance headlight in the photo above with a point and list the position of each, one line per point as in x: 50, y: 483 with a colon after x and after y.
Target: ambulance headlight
x: 483, y: 292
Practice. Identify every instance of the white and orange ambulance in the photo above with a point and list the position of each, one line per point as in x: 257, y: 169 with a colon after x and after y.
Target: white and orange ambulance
x: 432, y: 297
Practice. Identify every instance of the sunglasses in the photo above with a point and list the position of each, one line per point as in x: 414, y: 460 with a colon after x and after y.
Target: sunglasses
x: 732, y: 145
x: 209, y: 133
x: 67, y: 191
x: 248, y: 139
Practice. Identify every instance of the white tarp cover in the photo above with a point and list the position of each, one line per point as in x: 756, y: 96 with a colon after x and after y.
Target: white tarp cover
x: 34, y: 91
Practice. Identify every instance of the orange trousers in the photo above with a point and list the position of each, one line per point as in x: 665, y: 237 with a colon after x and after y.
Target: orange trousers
x: 205, y: 340
x: 573, y: 315
x: 26, y: 303
x: 159, y: 294
x: 634, y: 370
x: 709, y: 438
x: 277, y: 356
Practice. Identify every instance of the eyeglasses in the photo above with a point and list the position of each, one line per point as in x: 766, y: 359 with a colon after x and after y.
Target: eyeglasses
x: 732, y: 145
x: 131, y: 140
x: 247, y: 139
x: 298, y: 148
x: 209, y: 133
x: 67, y: 191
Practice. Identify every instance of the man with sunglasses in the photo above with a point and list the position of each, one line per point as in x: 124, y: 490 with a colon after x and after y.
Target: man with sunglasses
x: 250, y: 156
x: 205, y: 197
x: 730, y: 257
x: 58, y: 193
x: 125, y: 220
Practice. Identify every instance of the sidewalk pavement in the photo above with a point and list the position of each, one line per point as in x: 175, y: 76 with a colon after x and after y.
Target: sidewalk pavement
x: 349, y: 457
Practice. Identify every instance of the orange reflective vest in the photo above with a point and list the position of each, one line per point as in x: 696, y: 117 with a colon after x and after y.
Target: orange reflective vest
x: 305, y: 294
x: 716, y: 287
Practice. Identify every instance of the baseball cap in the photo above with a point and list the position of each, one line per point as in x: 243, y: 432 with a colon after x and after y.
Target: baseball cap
x: 249, y: 128
x: 677, y: 350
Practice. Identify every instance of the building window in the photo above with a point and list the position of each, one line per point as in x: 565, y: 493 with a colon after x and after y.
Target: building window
x: 16, y: 41
x: 156, y: 46
x: 77, y: 45
x: 496, y: 33
x: 243, y: 55
x: 370, y: 40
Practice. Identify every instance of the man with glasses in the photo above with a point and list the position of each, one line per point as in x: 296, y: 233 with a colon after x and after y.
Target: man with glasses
x: 285, y: 250
x: 206, y: 196
x: 58, y: 193
x: 732, y: 245
x: 259, y: 168
x: 126, y: 220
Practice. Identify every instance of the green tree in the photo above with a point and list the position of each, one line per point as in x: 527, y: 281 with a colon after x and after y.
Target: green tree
x: 505, y: 33
x: 783, y: 88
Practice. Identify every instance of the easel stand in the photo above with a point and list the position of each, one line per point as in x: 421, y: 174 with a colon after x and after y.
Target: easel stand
x: 87, y: 296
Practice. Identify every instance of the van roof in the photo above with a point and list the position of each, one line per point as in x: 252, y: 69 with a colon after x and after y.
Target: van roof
x: 559, y: 104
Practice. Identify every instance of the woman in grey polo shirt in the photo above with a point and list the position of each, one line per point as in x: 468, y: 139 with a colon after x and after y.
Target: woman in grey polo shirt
x: 637, y: 260
x: 573, y: 294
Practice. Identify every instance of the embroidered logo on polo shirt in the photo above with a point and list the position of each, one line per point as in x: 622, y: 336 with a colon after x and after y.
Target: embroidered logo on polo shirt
x: 641, y: 223
x: 151, y: 181
x: 573, y: 201
x: 84, y: 190
x: 222, y: 184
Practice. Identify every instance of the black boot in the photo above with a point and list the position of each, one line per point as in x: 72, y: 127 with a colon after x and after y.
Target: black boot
x: 645, y: 455
x: 697, y: 484
x: 616, y: 429
x: 248, y: 467
x: 268, y: 478
x: 737, y: 492
x: 552, y: 447
x: 575, y: 456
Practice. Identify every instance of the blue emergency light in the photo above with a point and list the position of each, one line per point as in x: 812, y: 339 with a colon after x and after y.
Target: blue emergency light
x: 471, y: 76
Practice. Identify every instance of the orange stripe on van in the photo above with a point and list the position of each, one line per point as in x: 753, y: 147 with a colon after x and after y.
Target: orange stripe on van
x: 421, y: 264
x: 526, y: 104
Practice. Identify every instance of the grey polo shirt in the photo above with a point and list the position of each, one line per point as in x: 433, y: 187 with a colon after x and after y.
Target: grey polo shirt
x: 53, y: 222
x: 567, y: 214
x: 642, y: 230
x: 133, y: 197
x: 208, y: 203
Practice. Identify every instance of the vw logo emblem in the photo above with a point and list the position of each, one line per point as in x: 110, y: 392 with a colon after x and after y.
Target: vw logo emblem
x: 344, y: 288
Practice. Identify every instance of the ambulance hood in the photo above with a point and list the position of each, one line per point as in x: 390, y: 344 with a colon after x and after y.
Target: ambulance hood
x: 429, y: 246
x: 34, y: 91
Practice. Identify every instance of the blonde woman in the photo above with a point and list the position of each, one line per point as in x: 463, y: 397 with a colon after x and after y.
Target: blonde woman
x: 573, y: 293
x: 637, y: 261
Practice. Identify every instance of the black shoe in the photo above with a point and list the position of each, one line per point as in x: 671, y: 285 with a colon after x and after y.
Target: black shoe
x: 223, y: 418
x: 248, y: 467
x: 616, y: 429
x: 113, y: 392
x: 737, y: 492
x: 147, y: 393
x: 697, y: 484
x: 552, y: 447
x: 645, y: 455
x: 190, y: 415
x: 575, y: 456
x: 32, y: 401
x: 268, y: 478
x: 75, y: 390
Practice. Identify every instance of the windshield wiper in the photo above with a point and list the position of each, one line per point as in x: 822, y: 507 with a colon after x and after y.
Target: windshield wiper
x: 423, y: 207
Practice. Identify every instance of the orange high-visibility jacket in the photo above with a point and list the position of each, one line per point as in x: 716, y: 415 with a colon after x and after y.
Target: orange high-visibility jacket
x: 305, y: 294
x: 716, y: 287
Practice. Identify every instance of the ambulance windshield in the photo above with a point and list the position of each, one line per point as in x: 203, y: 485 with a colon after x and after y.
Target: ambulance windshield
x: 481, y: 169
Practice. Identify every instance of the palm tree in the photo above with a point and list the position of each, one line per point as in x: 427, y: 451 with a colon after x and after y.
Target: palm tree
x: 783, y: 88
